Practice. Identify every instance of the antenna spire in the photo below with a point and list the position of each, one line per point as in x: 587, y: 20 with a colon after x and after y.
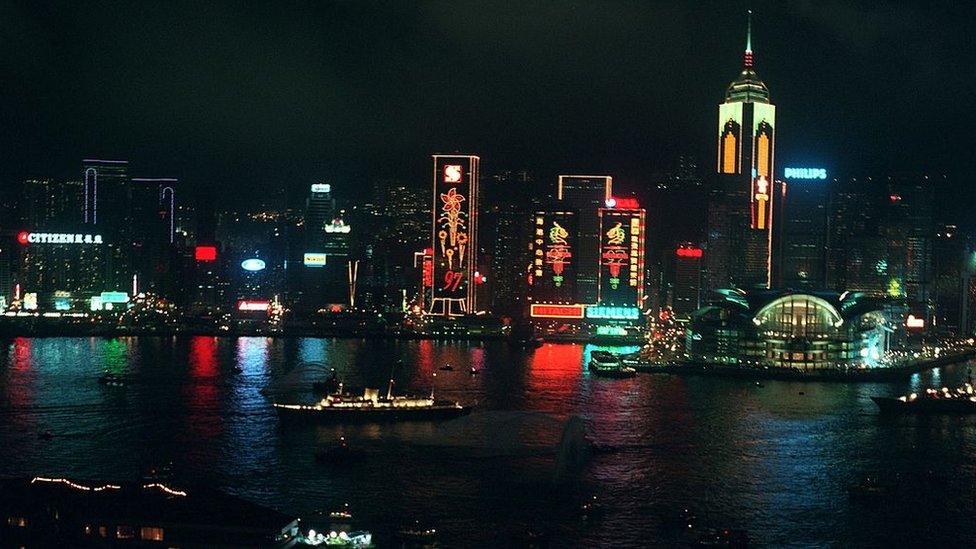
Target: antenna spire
x: 747, y: 59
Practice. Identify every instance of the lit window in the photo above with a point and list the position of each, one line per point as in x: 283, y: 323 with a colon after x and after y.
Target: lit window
x: 125, y: 532
x: 103, y: 531
x: 152, y: 533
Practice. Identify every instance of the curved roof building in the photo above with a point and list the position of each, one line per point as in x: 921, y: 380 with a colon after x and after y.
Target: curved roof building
x: 779, y: 328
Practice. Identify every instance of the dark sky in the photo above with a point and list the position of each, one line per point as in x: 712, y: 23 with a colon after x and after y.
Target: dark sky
x: 246, y: 95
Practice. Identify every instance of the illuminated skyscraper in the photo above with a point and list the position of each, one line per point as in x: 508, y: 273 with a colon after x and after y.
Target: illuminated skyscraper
x: 740, y: 211
x: 586, y: 194
x: 454, y: 234
x: 804, y: 246
x: 686, y: 292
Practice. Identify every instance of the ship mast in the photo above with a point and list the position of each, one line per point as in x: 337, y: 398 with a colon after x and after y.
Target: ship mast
x: 432, y: 380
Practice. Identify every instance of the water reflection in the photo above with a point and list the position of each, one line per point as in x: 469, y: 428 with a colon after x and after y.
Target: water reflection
x: 767, y: 459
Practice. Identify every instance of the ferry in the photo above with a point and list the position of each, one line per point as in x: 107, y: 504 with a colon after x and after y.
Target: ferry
x: 962, y: 400
x: 606, y: 364
x: 371, y: 406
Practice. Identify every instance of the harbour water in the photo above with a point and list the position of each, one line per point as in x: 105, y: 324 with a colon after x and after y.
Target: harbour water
x: 775, y: 460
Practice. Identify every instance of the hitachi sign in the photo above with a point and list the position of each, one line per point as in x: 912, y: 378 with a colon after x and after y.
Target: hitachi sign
x: 25, y: 237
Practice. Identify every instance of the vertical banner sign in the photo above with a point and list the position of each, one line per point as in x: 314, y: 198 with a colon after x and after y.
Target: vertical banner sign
x: 455, y: 203
x: 552, y: 275
x: 764, y: 120
x: 622, y: 250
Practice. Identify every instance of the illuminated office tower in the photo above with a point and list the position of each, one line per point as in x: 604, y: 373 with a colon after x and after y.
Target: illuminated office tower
x: 586, y: 194
x: 622, y: 248
x: 553, y: 263
x: 740, y: 232
x: 454, y: 234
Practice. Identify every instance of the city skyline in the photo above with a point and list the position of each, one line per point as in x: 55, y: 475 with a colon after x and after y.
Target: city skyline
x: 324, y: 108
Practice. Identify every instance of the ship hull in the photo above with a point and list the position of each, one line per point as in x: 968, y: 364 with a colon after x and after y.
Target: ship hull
x: 372, y: 415
x: 925, y: 406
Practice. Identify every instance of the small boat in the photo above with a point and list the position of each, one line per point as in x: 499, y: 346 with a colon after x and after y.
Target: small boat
x: 342, y: 513
x: 447, y: 368
x: 475, y: 371
x: 416, y: 531
x: 112, y: 380
x: 723, y: 537
x: 606, y: 364
x: 339, y: 454
x: 238, y: 370
x: 959, y: 401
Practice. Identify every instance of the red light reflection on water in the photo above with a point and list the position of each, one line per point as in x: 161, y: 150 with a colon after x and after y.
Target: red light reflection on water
x: 555, y: 372
x: 21, y: 376
x: 203, y: 399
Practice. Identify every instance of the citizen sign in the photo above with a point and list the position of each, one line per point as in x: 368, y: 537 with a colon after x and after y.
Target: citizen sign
x: 58, y: 238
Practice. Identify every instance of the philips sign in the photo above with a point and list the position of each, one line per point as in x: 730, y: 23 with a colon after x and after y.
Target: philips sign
x: 804, y: 173
x: 25, y: 238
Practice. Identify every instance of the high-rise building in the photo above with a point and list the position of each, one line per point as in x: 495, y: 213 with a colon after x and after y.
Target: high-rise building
x: 686, y: 285
x: 586, y: 194
x: 454, y: 234
x: 803, y: 262
x: 622, y: 253
x: 740, y: 232
x: 105, y: 199
x: 553, y: 254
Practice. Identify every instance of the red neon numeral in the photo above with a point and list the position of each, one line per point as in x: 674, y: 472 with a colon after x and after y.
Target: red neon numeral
x: 452, y: 280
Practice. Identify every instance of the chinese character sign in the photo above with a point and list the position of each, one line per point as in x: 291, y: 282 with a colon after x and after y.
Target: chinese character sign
x: 552, y: 273
x: 621, y: 256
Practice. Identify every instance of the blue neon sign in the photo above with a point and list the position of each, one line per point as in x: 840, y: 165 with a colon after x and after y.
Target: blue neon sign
x: 804, y: 173
x: 613, y: 313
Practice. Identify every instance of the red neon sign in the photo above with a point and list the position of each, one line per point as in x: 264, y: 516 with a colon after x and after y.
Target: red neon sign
x: 539, y: 310
x: 205, y: 253
x: 626, y: 203
x: 689, y: 252
x: 22, y: 237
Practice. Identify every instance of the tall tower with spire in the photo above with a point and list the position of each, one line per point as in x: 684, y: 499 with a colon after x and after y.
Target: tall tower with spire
x: 741, y: 209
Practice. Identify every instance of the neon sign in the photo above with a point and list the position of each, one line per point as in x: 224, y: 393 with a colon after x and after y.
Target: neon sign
x: 612, y: 313
x: 454, y: 234
x: 628, y: 203
x: 621, y: 256
x: 321, y: 188
x: 611, y: 330
x: 25, y: 237
x: 114, y: 297
x: 249, y: 305
x: 205, y: 253
x: 452, y: 173
x: 314, y: 259
x: 688, y: 252
x: 914, y: 322
x: 804, y: 173
x: 540, y: 310
x: 253, y: 264
x: 552, y: 271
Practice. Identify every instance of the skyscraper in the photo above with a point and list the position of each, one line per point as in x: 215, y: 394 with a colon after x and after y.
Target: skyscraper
x: 804, y: 246
x: 106, y: 194
x: 586, y: 194
x: 454, y: 234
x: 740, y: 228
x: 686, y: 296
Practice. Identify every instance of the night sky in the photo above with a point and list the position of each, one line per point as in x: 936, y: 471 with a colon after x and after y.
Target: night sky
x: 248, y: 95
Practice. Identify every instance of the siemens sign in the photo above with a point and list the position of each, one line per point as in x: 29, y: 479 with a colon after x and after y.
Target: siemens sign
x: 804, y: 173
